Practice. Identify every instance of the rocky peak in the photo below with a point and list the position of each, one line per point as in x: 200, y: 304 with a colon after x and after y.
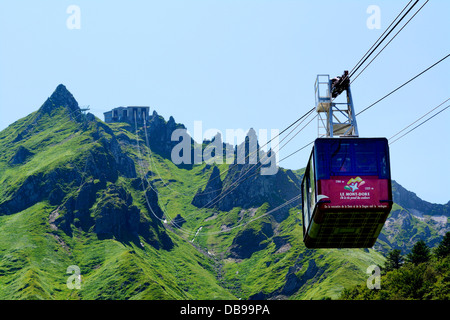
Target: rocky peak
x: 244, y: 186
x: 61, y: 97
x: 212, y: 191
x: 248, y: 151
x: 251, y: 133
x: 171, y: 122
x: 159, y: 133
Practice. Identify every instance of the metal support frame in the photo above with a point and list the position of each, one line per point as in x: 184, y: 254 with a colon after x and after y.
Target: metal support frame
x: 334, y: 118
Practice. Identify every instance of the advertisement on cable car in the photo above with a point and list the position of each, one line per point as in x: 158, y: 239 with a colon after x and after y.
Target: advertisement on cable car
x: 357, y: 192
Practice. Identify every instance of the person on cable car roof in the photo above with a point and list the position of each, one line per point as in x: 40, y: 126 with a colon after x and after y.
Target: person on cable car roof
x: 339, y: 84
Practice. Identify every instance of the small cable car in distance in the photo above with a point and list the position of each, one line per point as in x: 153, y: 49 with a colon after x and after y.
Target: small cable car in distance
x: 346, y: 187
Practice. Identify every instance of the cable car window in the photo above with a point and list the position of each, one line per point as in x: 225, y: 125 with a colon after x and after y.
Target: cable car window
x: 384, y: 161
x: 341, y: 161
x: 321, y: 161
x: 312, y: 185
x: 383, y: 167
x: 306, y: 210
x: 308, y: 196
x: 366, y: 158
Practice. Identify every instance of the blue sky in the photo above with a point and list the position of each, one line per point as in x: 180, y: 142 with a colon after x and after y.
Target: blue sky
x: 236, y: 64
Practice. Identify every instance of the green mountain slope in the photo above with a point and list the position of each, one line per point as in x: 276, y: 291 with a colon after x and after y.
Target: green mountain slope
x: 72, y: 202
x: 411, y: 220
x: 75, y: 191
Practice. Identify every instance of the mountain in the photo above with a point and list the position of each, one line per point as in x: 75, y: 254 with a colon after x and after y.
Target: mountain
x: 412, y: 219
x: 246, y: 187
x: 76, y: 200
x: 106, y: 199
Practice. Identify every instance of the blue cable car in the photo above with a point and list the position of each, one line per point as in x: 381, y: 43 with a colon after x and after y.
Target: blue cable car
x: 346, y: 187
x: 346, y: 192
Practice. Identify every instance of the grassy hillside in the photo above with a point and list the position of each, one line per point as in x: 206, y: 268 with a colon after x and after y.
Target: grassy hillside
x: 35, y: 251
x: 34, y: 262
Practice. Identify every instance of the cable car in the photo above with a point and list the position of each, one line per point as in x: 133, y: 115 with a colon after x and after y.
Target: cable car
x: 346, y: 187
x: 346, y: 192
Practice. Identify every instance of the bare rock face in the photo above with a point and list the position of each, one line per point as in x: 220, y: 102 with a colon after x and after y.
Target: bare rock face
x: 116, y: 216
x: 244, y: 187
x: 212, y: 190
x: 21, y: 156
x: 38, y: 187
x: 160, y: 134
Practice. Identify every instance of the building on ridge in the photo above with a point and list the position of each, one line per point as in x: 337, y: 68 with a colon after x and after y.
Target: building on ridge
x: 130, y: 114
